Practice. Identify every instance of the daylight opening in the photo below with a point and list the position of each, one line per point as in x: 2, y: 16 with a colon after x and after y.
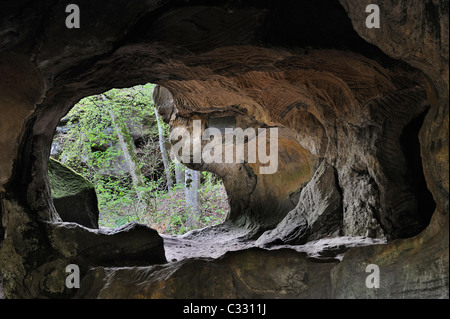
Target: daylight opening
x: 110, y: 165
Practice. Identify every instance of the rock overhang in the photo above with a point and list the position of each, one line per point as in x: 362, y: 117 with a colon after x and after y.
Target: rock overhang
x: 348, y: 107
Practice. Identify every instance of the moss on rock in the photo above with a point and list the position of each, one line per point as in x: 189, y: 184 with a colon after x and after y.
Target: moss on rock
x: 73, y: 195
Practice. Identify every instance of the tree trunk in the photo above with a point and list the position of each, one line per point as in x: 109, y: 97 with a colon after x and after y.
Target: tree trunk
x: 192, y: 179
x: 127, y: 145
x: 164, y: 153
x: 179, y: 173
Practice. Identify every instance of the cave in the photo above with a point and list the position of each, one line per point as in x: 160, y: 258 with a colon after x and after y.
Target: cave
x: 361, y: 116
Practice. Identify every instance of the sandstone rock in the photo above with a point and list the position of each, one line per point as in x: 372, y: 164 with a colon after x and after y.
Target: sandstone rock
x: 320, y: 204
x: 22, y: 74
x: 253, y: 202
x: 339, y: 97
x: 2, y: 294
x: 74, y: 196
x: 426, y: 48
x: 34, y: 254
x: 358, y: 128
x: 407, y: 268
x: 360, y: 197
x: 209, y: 242
x: 129, y: 244
x: 2, y: 229
x: 318, y: 213
x: 331, y: 248
x: 251, y: 273
x: 291, y: 230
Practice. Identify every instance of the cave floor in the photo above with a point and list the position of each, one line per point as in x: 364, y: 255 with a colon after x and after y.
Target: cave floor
x: 213, y: 242
x: 209, y: 242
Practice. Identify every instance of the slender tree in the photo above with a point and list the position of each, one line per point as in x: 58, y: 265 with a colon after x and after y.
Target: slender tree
x: 163, y: 152
x: 179, y: 172
x: 127, y: 147
x: 192, y: 185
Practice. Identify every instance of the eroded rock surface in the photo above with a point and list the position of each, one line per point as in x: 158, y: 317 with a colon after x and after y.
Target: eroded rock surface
x: 38, y: 252
x: 371, y: 103
x: 286, y: 274
x: 357, y: 131
x: 406, y: 268
x: 318, y: 213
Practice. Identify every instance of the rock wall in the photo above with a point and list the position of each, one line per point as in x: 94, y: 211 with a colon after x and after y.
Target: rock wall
x: 287, y: 274
x: 318, y: 213
x: 355, y: 128
x: 253, y: 201
x: 354, y: 97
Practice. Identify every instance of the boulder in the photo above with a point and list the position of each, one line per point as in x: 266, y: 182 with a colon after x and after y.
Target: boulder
x: 73, y: 195
x: 56, y: 245
x: 130, y: 244
x: 318, y: 213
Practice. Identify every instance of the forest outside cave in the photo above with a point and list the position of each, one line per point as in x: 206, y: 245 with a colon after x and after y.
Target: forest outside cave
x: 117, y: 143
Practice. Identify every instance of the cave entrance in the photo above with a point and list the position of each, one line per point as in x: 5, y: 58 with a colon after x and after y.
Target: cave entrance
x: 313, y: 123
x: 109, y: 166
x: 300, y: 65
